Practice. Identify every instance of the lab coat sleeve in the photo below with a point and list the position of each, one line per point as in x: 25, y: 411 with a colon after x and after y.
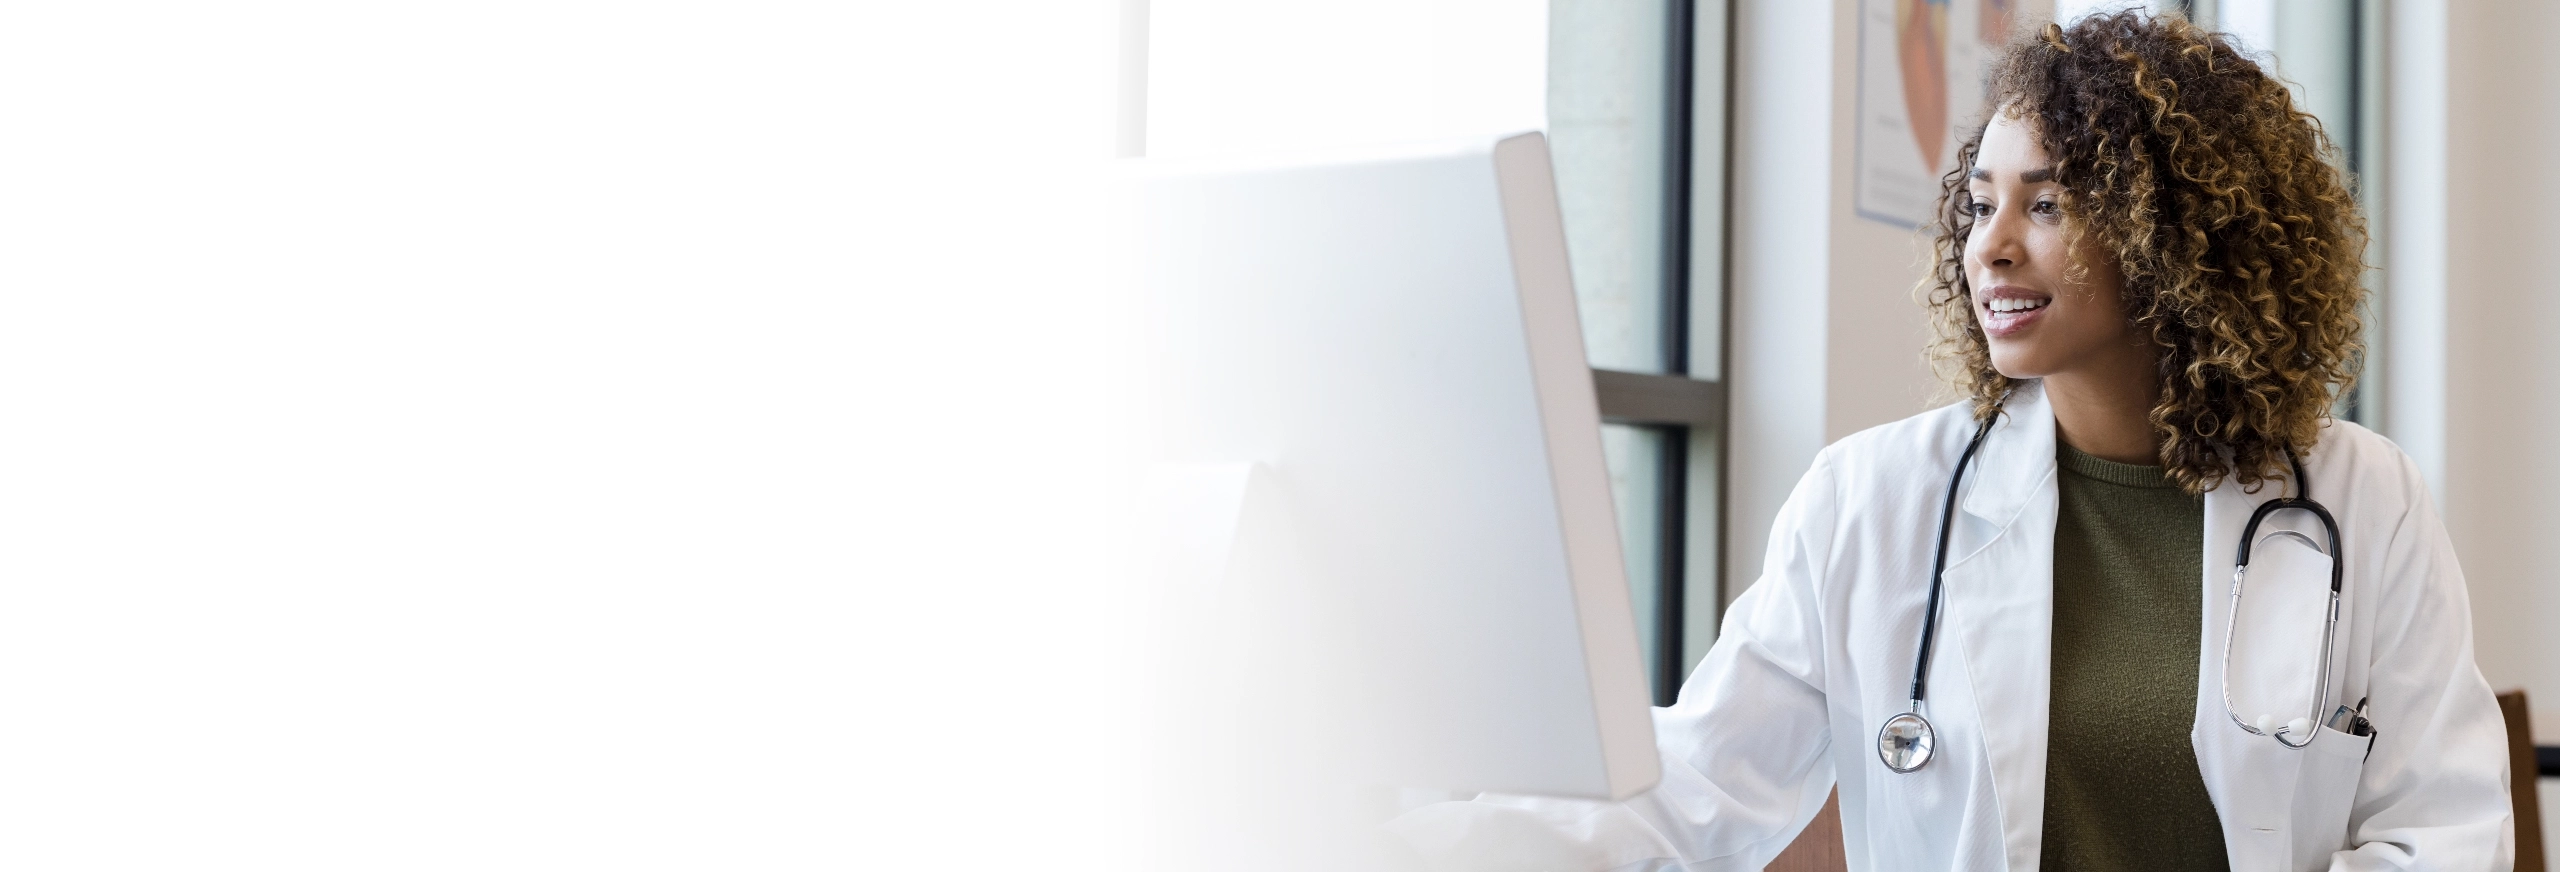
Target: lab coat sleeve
x: 2433, y: 793
x: 1743, y: 751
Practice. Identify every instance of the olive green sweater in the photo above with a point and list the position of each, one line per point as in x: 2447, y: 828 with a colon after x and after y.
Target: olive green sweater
x: 2121, y: 788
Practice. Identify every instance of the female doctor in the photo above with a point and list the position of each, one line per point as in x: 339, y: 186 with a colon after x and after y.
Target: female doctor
x: 2148, y: 284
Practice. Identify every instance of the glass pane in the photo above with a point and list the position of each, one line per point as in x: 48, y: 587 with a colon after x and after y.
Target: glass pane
x: 1700, y: 557
x: 1608, y: 65
x: 1636, y: 461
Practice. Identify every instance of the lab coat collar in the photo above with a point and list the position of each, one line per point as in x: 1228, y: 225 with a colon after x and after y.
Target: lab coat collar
x: 2000, y: 610
x: 2016, y: 459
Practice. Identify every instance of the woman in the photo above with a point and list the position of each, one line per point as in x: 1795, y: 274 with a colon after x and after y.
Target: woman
x: 2147, y: 283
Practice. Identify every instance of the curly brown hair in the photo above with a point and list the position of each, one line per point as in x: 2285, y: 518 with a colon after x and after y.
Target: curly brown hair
x: 2240, y: 242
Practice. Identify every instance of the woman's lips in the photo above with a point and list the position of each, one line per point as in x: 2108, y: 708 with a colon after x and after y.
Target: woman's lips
x: 1998, y: 324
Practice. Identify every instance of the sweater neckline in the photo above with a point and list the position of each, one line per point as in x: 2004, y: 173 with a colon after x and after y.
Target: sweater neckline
x: 2087, y: 465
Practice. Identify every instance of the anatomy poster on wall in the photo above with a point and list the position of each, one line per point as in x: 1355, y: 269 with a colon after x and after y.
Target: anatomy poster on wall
x: 1921, y: 69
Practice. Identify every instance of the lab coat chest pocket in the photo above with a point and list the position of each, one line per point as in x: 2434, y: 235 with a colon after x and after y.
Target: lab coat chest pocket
x: 2324, y: 796
x: 2276, y: 678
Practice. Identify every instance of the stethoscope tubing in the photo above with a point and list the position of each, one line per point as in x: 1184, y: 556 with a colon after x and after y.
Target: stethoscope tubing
x: 1938, y: 567
x: 2239, y: 576
x: 2329, y: 631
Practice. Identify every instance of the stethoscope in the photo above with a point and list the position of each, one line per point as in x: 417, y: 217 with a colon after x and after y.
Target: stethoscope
x: 1907, y: 740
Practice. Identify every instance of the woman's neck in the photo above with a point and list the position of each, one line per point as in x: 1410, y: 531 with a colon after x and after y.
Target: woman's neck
x: 2104, y: 410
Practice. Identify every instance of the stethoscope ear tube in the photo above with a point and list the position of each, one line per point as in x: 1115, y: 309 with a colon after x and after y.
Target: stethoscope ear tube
x: 2249, y: 537
x: 2300, y: 500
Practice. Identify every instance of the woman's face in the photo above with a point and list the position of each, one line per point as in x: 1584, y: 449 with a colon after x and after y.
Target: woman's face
x: 2038, y: 323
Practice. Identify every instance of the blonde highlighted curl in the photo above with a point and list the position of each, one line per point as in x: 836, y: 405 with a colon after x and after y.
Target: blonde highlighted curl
x: 2240, y: 241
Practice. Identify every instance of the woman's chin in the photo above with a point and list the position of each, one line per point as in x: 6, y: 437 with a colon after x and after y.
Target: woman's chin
x: 2017, y: 363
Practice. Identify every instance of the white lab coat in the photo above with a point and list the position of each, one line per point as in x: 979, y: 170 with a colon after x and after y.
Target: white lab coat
x: 1818, y: 653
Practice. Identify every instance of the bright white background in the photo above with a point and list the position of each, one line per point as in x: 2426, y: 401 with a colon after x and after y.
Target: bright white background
x: 549, y: 435
x: 1226, y: 76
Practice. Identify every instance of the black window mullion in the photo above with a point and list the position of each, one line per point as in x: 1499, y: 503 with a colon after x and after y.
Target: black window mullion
x: 1671, y: 611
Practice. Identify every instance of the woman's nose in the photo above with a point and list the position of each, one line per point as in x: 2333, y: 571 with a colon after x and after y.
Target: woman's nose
x: 1999, y: 243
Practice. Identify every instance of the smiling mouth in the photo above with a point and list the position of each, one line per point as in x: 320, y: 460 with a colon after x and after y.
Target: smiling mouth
x: 2008, y: 311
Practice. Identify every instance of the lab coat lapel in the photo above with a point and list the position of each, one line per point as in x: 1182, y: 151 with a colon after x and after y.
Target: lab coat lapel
x: 1999, y: 585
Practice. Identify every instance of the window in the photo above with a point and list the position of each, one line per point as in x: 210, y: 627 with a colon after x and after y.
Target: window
x: 1635, y: 119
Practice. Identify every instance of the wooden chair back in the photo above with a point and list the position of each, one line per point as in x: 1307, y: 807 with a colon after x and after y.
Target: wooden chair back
x: 2523, y: 779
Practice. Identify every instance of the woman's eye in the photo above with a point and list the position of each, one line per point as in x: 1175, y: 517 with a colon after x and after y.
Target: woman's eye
x: 1977, y: 209
x: 2048, y: 207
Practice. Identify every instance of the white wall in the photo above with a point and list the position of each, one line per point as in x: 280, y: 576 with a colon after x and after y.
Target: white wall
x: 2474, y: 373
x: 2472, y: 376
x: 1784, y: 70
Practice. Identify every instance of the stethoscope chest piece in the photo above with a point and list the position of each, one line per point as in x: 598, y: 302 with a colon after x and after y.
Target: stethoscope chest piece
x: 1906, y: 742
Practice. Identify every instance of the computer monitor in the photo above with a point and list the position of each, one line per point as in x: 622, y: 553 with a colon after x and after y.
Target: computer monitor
x: 1420, y: 550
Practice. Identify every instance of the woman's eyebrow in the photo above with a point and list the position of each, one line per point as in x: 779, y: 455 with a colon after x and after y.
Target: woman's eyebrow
x: 2034, y: 176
